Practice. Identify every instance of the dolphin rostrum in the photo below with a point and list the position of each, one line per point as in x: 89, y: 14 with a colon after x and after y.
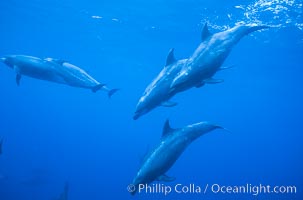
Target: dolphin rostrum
x: 157, y: 93
x: 171, y: 146
x: 53, y: 70
x: 209, y: 56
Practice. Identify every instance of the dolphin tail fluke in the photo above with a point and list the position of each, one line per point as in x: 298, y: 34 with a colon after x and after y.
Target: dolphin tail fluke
x: 256, y: 28
x: 220, y: 127
x: 98, y: 87
x: 111, y: 92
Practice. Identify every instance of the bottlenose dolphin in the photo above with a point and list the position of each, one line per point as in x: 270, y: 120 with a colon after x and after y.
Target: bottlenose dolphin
x: 53, y: 70
x: 209, y: 56
x: 180, y: 75
x: 77, y: 77
x: 157, y: 93
x: 172, y: 144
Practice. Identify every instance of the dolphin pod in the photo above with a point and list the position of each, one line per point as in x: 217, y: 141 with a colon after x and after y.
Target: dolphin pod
x: 196, y: 71
x: 54, y: 70
x: 171, y: 146
x: 176, y: 76
x: 209, y: 56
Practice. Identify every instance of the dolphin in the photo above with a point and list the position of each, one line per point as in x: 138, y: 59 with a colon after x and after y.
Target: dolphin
x: 77, y: 77
x: 1, y: 144
x: 53, y: 70
x: 157, y: 92
x: 171, y: 146
x: 209, y: 56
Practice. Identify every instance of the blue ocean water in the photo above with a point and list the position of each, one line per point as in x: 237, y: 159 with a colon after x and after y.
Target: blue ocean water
x: 55, y: 133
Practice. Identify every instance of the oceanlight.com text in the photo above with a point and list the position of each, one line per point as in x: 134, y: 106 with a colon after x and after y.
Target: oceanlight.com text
x: 249, y: 189
x: 253, y: 189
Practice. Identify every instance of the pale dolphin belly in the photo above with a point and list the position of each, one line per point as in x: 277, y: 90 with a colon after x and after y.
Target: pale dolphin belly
x: 43, y: 74
x: 75, y: 76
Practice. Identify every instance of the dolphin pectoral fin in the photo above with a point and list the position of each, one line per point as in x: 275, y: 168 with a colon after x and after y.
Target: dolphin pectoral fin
x: 165, y: 178
x: 200, y: 84
x: 168, y: 104
x: 227, y: 67
x: 111, y: 92
x: 18, y: 74
x: 213, y: 81
x: 18, y: 78
x: 97, y: 87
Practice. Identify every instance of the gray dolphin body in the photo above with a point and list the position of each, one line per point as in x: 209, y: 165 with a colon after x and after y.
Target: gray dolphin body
x: 77, y: 77
x: 157, y: 93
x: 53, y: 70
x: 209, y: 56
x: 172, y: 144
x: 195, y: 71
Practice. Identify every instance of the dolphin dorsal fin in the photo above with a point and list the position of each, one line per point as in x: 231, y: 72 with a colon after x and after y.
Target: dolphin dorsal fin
x: 59, y: 61
x: 205, y: 32
x: 170, y: 57
x: 166, y: 128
